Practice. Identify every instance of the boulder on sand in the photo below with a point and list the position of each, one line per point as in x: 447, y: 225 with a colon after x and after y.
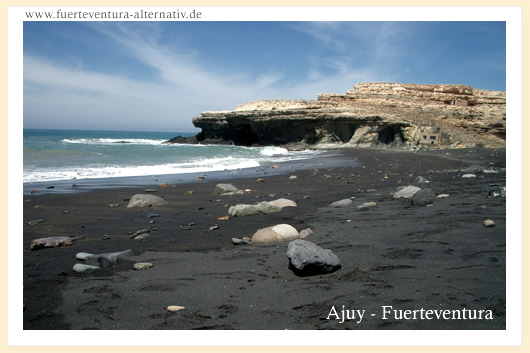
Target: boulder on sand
x: 406, y: 192
x: 307, y: 258
x: 264, y: 207
x: 107, y: 259
x: 225, y: 189
x: 52, y: 242
x: 283, y: 203
x: 341, y: 203
x: 424, y: 197
x: 145, y: 200
x: 279, y: 232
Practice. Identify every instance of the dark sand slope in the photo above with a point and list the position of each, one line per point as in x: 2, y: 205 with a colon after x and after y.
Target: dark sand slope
x: 408, y: 257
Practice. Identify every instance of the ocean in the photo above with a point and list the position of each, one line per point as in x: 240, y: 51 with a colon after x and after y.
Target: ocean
x: 60, y: 155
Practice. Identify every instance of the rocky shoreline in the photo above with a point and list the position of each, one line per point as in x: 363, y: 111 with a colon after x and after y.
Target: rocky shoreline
x: 372, y: 114
x: 432, y: 254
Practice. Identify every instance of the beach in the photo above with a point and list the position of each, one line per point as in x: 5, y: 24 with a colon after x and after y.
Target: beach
x: 403, y: 266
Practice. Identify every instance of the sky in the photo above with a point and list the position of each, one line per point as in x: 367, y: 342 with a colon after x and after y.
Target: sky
x: 157, y: 76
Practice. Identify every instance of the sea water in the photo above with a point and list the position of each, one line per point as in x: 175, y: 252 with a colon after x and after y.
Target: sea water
x: 50, y: 155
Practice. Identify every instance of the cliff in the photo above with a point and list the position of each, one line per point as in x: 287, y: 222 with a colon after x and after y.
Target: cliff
x: 372, y: 114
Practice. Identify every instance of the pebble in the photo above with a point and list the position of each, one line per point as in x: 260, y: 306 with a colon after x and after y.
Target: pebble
x: 150, y: 190
x: 174, y: 308
x: 114, y: 205
x: 489, y: 223
x: 142, y: 265
x: 441, y: 196
x: 465, y: 176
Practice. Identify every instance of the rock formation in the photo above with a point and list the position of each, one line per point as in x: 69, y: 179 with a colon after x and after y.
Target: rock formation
x: 372, y: 114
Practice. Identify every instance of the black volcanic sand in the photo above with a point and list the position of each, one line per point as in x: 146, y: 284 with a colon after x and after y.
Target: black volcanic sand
x: 393, y: 254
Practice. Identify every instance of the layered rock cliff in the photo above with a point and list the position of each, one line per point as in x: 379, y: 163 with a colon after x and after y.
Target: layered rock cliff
x: 372, y: 114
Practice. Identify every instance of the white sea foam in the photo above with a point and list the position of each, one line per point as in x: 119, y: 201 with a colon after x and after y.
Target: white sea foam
x: 205, y: 165
x: 113, y: 141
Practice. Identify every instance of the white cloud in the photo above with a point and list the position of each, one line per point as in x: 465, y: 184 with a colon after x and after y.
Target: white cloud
x: 183, y: 89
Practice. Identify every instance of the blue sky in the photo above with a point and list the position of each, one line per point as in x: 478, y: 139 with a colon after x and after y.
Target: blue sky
x: 157, y: 76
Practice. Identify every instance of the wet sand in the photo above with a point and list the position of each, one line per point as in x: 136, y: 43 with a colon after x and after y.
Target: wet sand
x: 438, y: 257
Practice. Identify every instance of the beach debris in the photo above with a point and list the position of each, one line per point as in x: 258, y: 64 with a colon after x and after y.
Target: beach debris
x: 283, y: 203
x: 489, y: 223
x: 468, y: 176
x: 213, y: 228
x: 305, y: 232
x: 106, y: 237
x: 226, y: 189
x: 189, y: 192
x: 224, y: 218
x: 66, y: 212
x: 150, y: 190
x: 420, y: 180
x: 114, y: 205
x: 52, y: 242
x: 342, y: 203
x: 164, y: 185
x: 308, y: 259
x: 490, y: 171
x: 499, y: 192
x: 423, y: 197
x: 35, y: 221
x: 442, y: 196
x: 34, y: 191
x: 406, y: 192
x: 142, y: 265
x: 293, y: 177
x: 367, y: 205
x: 152, y: 215
x: 260, y: 180
x: 143, y: 200
x: 174, y: 308
x: 263, y: 207
x: 50, y: 187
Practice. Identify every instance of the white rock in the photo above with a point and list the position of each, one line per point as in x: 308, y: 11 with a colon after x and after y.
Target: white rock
x: 83, y: 256
x: 174, y: 308
x: 142, y: 265
x: 407, y: 192
x: 279, y: 232
x: 144, y: 200
x: 283, y: 203
x: 466, y: 176
x: 83, y: 268
x: 342, y: 203
x: 489, y: 223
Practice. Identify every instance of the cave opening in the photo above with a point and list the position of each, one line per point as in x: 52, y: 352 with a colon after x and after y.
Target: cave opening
x: 244, y: 136
x: 388, y: 135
